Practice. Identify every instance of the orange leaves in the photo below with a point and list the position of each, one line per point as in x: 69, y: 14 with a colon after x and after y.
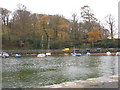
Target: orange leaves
x: 94, y: 35
x: 41, y: 25
x: 43, y: 19
x: 62, y: 24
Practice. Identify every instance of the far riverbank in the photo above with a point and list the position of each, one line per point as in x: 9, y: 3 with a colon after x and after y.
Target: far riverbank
x: 97, y: 51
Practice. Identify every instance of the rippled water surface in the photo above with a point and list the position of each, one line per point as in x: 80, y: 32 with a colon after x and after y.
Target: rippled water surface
x: 33, y: 72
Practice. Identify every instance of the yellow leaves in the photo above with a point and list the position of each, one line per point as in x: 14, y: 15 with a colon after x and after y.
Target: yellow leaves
x: 94, y: 35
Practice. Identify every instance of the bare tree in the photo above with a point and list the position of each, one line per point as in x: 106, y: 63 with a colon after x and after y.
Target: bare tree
x: 110, y: 20
x: 87, y: 15
x: 88, y: 18
x: 21, y: 25
x: 75, y: 27
x: 5, y: 15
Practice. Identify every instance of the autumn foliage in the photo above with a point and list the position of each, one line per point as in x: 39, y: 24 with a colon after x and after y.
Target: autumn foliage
x: 51, y: 31
x: 94, y: 36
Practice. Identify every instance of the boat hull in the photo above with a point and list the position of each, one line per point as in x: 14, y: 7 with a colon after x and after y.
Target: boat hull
x: 41, y: 55
x: 48, y: 54
x: 17, y: 56
x: 76, y: 54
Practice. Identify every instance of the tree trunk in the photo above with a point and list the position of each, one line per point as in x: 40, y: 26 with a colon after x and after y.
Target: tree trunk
x: 111, y: 28
x: 92, y: 45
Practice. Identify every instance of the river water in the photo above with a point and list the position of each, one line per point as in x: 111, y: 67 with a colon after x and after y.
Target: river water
x: 33, y: 72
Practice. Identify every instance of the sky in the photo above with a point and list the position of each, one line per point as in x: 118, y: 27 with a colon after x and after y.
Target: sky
x: 100, y: 8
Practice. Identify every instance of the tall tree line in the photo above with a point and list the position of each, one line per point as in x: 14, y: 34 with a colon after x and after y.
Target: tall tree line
x: 27, y: 30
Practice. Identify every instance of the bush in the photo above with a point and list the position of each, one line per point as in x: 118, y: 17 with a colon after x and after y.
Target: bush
x: 107, y: 44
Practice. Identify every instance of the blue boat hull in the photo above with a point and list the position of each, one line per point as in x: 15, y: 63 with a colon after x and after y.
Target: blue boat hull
x: 76, y: 54
x: 17, y: 56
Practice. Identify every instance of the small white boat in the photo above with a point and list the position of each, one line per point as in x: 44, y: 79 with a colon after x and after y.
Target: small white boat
x: 48, y: 54
x: 41, y: 55
x: 108, y: 53
x: 117, y: 53
x: 5, y: 55
x: 88, y: 54
x: 76, y: 54
x: 73, y: 54
x: 17, y: 56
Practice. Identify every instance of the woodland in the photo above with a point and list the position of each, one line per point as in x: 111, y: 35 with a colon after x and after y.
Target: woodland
x: 26, y: 30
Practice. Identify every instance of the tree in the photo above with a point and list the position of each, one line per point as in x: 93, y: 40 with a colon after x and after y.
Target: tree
x: 94, y: 36
x: 76, y: 32
x: 51, y: 27
x: 87, y: 15
x: 74, y: 28
x: 21, y: 25
x: 58, y: 23
x: 60, y: 28
x: 4, y: 23
x: 88, y: 18
x: 5, y: 15
x: 110, y: 20
x: 42, y: 27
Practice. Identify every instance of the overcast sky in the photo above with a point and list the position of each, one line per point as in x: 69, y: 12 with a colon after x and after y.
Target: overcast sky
x: 100, y: 8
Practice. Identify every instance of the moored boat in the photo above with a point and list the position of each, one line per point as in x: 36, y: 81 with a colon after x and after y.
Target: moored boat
x: 88, y: 54
x: 48, y: 54
x: 117, y: 53
x: 41, y: 55
x: 73, y: 54
x: 33, y: 54
x: 108, y: 53
x: 17, y: 56
x: 5, y: 55
x: 76, y: 54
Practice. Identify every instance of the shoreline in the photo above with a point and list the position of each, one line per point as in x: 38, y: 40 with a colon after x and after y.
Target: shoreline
x: 64, y: 54
x: 100, y: 82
